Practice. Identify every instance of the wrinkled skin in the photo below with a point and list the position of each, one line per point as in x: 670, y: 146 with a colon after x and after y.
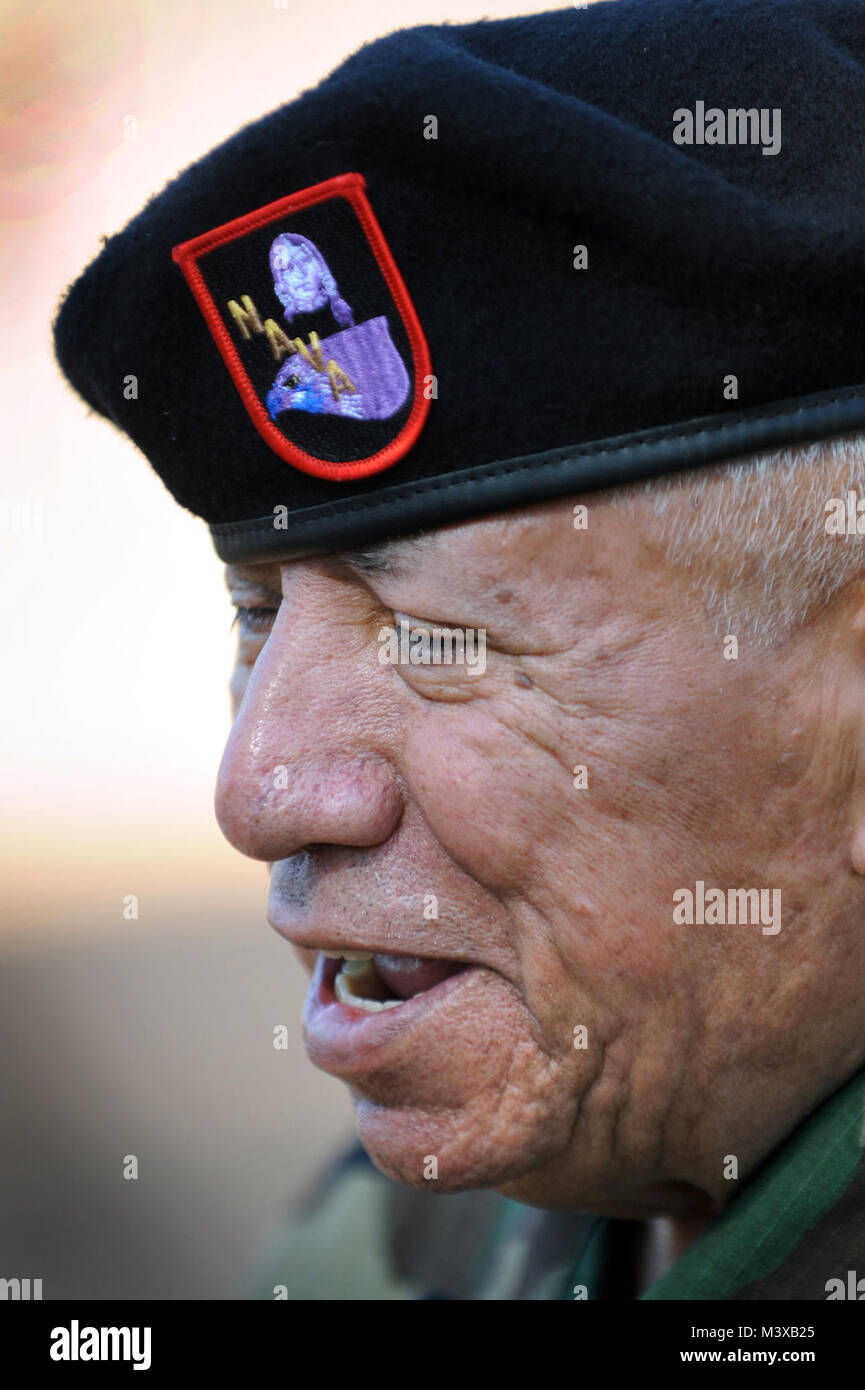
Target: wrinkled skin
x: 703, y: 1041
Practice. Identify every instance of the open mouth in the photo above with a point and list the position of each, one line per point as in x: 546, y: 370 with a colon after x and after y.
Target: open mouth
x: 373, y: 982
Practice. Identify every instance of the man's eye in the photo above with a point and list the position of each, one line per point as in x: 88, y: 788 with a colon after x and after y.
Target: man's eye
x: 253, y: 620
x: 446, y: 655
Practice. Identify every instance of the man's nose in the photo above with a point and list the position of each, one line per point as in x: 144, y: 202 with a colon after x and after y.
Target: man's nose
x: 308, y: 758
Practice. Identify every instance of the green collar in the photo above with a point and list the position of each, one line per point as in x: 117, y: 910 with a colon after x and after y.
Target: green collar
x: 792, y: 1190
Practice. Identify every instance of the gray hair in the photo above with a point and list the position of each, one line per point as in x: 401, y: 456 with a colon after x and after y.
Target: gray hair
x: 753, y: 533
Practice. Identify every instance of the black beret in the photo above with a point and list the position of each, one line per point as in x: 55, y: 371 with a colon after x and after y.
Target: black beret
x: 484, y: 265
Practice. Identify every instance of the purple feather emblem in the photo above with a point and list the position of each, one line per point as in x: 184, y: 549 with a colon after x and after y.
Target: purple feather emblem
x: 365, y: 354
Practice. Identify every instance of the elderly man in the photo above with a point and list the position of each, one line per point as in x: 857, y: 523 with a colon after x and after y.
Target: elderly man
x: 549, y: 691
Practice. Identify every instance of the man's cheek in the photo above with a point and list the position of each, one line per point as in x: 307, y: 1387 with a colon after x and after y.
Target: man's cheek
x: 475, y: 787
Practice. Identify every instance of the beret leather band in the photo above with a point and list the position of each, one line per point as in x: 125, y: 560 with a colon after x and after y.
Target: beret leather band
x: 539, y: 477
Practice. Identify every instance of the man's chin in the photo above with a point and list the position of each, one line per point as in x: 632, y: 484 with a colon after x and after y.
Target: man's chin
x: 454, y: 1151
x: 444, y: 1151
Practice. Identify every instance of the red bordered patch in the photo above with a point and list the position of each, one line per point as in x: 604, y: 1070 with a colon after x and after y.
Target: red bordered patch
x: 316, y: 327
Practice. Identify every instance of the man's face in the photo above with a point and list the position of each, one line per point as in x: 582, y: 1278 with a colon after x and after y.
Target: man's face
x: 431, y: 812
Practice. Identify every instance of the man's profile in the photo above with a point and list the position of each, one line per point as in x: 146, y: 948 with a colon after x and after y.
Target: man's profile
x: 584, y: 925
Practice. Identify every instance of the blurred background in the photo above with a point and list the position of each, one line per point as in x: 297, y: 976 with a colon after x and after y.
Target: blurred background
x: 153, y: 1035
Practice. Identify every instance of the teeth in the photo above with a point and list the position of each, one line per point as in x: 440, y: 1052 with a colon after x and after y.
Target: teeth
x: 344, y: 993
x: 359, y: 977
x: 357, y: 972
x: 357, y: 969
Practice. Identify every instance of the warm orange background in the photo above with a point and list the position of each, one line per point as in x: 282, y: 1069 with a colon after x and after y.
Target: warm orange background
x: 153, y: 1036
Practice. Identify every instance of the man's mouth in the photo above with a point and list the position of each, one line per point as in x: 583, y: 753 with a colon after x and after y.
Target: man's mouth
x: 370, y: 1011
x: 375, y: 981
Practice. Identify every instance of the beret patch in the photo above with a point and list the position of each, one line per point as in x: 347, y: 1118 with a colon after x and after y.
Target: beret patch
x: 315, y: 325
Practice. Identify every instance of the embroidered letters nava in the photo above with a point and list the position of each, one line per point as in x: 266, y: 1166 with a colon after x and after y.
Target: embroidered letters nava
x: 309, y: 285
